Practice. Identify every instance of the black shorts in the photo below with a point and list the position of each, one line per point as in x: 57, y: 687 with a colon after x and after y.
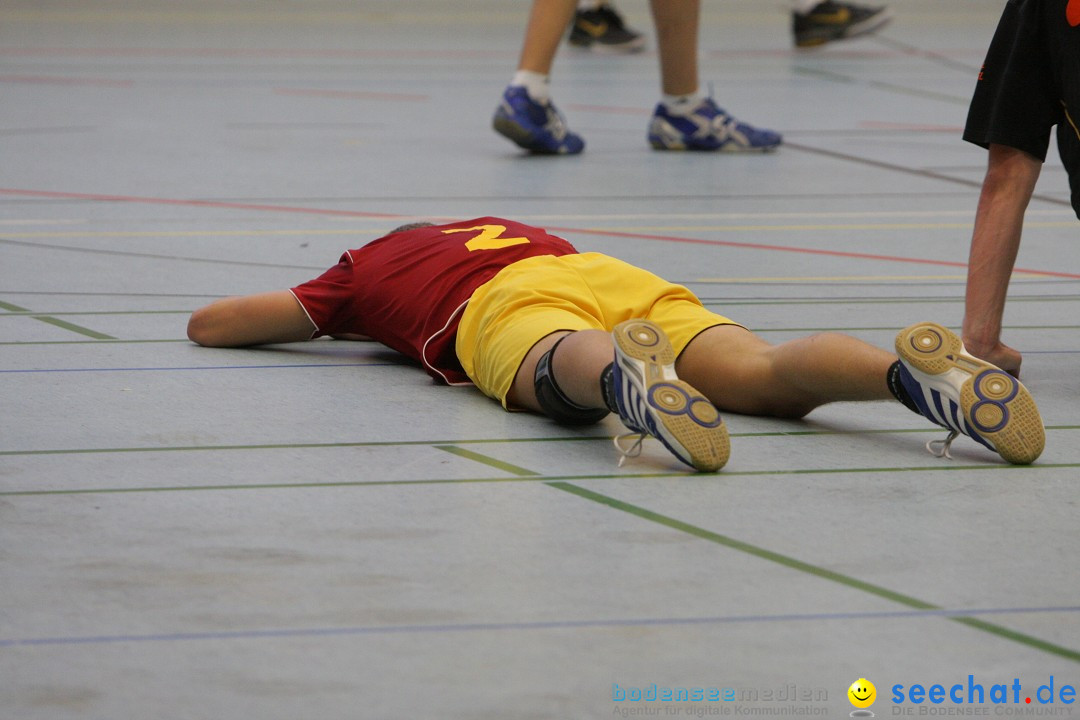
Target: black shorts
x: 1030, y: 82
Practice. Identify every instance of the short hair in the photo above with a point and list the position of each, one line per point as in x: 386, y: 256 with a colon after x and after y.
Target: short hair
x: 410, y: 226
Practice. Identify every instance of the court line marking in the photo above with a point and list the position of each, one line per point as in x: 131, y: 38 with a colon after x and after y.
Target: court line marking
x: 525, y: 625
x: 808, y: 432
x: 286, y: 366
x: 352, y: 94
x: 112, y: 341
x: 917, y: 172
x: 705, y: 299
x: 99, y: 197
x: 585, y: 231
x: 69, y: 234
x: 23, y: 312
x: 66, y: 80
x: 17, y: 311
x: 872, y: 300
x: 814, y: 570
x: 515, y: 478
x: 158, y: 256
x: 759, y: 331
x: 486, y: 460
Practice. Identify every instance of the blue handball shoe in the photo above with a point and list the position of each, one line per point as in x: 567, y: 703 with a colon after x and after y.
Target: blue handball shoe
x: 652, y: 400
x: 537, y: 127
x: 967, y: 395
x: 707, y: 127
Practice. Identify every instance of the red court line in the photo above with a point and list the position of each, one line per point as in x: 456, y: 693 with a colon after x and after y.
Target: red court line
x: 282, y: 53
x: 193, y: 203
x: 880, y: 125
x: 351, y: 94
x: 54, y: 80
x: 612, y: 109
x: 579, y: 231
x: 803, y: 250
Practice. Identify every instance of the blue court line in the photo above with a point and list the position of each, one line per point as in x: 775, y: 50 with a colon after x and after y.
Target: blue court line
x: 203, y: 367
x: 519, y: 626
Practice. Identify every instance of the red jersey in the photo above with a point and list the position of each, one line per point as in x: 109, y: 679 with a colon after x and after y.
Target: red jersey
x: 408, y: 289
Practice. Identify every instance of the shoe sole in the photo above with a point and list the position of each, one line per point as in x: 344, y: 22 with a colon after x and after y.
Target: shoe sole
x: 522, y: 137
x: 726, y: 148
x: 688, y: 417
x: 824, y: 34
x: 995, y: 404
x: 600, y: 47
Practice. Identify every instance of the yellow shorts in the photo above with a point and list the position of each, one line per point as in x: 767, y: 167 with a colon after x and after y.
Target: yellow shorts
x: 533, y: 298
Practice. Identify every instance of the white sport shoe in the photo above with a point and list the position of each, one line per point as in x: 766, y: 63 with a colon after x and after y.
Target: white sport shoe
x: 653, y: 401
x: 967, y: 395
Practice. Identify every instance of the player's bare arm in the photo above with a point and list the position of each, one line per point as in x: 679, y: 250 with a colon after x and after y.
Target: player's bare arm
x: 273, y: 317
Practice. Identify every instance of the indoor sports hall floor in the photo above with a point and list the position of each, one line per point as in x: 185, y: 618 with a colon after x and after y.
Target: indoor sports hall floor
x: 316, y: 531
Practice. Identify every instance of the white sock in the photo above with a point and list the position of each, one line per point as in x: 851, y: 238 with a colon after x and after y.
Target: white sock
x: 802, y: 7
x: 682, y: 104
x: 536, y: 84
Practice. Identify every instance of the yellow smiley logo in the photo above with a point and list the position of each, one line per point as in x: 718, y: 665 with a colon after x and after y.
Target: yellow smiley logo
x: 862, y: 693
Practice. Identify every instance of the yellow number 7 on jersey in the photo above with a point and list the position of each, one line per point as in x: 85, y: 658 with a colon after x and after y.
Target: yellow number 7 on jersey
x: 490, y: 237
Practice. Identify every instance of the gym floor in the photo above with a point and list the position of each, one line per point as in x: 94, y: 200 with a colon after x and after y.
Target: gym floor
x: 318, y: 531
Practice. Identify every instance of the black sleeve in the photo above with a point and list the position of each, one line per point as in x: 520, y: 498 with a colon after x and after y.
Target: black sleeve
x: 1015, y: 103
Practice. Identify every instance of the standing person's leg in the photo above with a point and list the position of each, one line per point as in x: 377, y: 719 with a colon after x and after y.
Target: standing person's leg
x: 685, y: 119
x: 547, y: 23
x: 526, y: 114
x: 677, y: 23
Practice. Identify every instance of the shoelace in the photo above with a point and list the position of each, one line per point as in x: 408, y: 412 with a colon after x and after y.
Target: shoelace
x: 556, y: 124
x: 634, y: 450
x: 940, y: 448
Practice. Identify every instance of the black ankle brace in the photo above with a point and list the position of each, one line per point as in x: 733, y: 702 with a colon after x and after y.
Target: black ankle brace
x: 896, y: 387
x: 607, y: 387
x: 553, y: 400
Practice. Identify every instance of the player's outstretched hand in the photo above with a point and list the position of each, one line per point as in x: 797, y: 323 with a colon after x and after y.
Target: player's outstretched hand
x: 1005, y: 357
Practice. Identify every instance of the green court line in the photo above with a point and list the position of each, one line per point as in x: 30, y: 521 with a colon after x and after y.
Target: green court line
x: 465, y: 441
x: 535, y: 478
x: 16, y: 311
x: 815, y: 570
x: 486, y: 460
x: 304, y: 446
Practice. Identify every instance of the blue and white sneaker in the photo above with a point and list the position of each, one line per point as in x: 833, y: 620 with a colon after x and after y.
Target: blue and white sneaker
x: 537, y: 127
x: 967, y: 395
x: 651, y: 400
x: 708, y: 127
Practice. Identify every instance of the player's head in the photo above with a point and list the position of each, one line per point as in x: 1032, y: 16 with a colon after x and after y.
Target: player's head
x: 410, y: 226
